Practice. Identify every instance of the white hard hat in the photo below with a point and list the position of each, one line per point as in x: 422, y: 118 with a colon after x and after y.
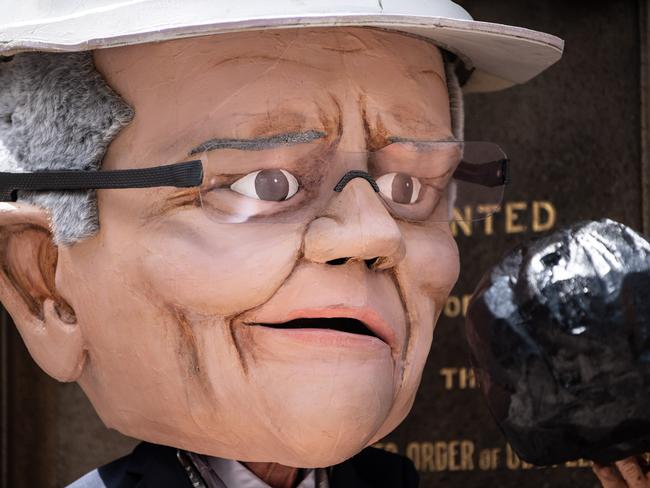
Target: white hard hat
x: 501, y: 55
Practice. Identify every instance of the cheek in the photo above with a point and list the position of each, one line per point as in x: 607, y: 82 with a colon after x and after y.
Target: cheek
x: 220, y: 269
x: 431, y: 263
x: 427, y: 274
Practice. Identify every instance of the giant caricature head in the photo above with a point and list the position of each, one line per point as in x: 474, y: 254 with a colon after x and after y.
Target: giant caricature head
x: 294, y: 334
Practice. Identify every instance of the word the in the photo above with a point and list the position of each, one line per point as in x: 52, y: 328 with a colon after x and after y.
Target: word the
x: 458, y: 378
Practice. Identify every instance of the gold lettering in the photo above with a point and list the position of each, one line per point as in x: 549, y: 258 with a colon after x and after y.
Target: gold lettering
x: 466, y: 299
x: 496, y: 452
x: 549, y: 209
x: 511, y: 217
x: 453, y: 456
x: 484, y: 460
x: 457, y: 455
x: 466, y: 378
x: 455, y: 306
x: 489, y: 459
x: 537, y: 215
x: 488, y: 222
x: 462, y: 378
x: 387, y: 446
x: 512, y: 460
x: 452, y: 307
x: 578, y: 463
x: 413, y: 453
x: 448, y: 373
x: 426, y: 457
x: 464, y: 221
x: 467, y: 455
x: 440, y: 453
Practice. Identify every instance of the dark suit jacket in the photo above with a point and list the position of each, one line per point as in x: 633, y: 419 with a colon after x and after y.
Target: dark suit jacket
x: 152, y: 466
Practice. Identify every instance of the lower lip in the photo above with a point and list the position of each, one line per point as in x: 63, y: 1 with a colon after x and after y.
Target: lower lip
x: 324, y: 337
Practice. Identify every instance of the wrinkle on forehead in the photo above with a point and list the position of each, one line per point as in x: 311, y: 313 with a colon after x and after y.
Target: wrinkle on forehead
x: 292, y: 52
x: 346, y: 43
x: 247, y: 85
x: 274, y: 64
x: 292, y: 45
x: 259, y: 58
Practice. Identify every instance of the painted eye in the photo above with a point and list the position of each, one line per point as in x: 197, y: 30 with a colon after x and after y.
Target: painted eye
x: 273, y: 185
x: 399, y: 187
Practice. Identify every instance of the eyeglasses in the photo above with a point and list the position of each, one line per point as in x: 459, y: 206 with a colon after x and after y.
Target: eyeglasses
x: 418, y: 181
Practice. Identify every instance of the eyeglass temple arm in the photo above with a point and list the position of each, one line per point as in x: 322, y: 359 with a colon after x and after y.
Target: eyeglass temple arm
x: 187, y: 174
x: 180, y: 175
x: 494, y: 173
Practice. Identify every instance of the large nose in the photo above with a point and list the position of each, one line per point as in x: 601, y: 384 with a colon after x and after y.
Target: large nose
x: 355, y: 226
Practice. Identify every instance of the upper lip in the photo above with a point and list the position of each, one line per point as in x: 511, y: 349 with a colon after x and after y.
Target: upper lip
x: 371, y: 319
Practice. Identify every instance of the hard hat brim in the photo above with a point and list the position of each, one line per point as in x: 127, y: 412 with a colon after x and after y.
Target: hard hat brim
x: 501, y: 55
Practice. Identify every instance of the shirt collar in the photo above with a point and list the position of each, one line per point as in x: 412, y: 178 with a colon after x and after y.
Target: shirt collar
x: 226, y: 473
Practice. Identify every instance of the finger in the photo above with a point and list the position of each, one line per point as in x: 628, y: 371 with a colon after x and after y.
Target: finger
x: 608, y: 476
x: 632, y: 474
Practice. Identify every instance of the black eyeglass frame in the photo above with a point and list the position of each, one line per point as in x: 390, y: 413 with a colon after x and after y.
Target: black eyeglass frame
x: 188, y: 174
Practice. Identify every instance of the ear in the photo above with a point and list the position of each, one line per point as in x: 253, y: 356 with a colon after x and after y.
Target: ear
x: 28, y: 263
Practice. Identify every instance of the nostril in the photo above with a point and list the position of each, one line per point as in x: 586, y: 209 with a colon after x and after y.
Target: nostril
x: 371, y: 262
x: 338, y: 261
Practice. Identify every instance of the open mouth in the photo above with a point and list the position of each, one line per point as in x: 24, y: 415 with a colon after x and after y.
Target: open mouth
x: 340, y: 324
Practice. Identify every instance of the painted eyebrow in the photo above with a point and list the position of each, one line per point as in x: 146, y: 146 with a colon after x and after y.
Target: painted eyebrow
x: 261, y: 143
x: 397, y: 139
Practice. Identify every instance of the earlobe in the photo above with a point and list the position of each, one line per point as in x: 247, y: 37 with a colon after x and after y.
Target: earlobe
x: 59, y: 343
x: 47, y: 324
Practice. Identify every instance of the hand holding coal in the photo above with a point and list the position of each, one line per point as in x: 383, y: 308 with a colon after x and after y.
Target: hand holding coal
x: 559, y: 334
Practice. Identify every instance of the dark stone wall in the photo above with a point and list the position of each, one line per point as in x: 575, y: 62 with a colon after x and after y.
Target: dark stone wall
x: 573, y: 135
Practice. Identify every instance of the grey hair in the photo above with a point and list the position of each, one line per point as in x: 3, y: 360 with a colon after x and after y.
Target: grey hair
x: 456, y: 102
x: 457, y: 114
x: 57, y: 112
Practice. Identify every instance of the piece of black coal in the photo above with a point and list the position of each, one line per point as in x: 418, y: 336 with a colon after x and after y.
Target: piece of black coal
x: 559, y: 334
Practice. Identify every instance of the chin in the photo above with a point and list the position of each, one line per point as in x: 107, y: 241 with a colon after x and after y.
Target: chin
x: 328, y: 455
x: 319, y: 423
x: 320, y: 450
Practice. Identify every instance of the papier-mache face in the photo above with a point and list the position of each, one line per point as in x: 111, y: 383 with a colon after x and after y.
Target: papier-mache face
x: 240, y: 337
